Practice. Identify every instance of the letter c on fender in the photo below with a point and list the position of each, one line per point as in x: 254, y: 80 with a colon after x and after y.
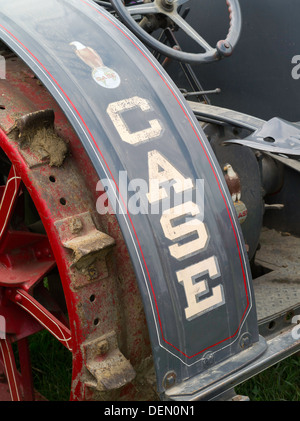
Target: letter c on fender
x: 115, y: 110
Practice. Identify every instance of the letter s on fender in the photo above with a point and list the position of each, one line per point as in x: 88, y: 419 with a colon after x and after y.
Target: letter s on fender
x: 183, y: 230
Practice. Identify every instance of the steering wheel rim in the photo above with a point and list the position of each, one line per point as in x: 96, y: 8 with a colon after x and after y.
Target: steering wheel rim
x: 224, y: 48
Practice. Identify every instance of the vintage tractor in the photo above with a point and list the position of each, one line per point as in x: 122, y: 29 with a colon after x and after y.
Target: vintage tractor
x: 151, y: 233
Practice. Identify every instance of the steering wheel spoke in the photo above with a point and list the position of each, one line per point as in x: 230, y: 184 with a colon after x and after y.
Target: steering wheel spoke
x: 169, y: 8
x: 143, y: 9
x: 190, y: 31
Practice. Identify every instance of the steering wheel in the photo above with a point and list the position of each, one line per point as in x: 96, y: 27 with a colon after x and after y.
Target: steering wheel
x: 169, y: 8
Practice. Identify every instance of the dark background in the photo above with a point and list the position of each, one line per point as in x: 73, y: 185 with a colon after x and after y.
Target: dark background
x: 257, y: 78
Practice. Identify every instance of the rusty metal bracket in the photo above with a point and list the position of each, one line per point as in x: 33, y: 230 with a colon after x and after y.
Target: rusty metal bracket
x: 37, y: 136
x: 107, y: 365
x: 89, y: 247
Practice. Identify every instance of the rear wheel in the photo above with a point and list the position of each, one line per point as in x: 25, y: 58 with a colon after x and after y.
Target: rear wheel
x: 63, y: 267
x: 28, y: 277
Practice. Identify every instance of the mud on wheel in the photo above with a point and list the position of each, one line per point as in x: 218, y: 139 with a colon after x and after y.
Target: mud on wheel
x: 62, y: 267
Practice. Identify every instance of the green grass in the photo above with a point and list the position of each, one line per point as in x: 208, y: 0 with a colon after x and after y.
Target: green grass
x: 52, y: 371
x: 51, y: 367
x: 278, y: 383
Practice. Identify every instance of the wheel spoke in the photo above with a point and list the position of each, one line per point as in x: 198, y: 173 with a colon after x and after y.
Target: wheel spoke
x: 43, y: 316
x: 190, y: 31
x: 8, y: 201
x: 26, y: 261
x: 26, y: 372
x: 11, y: 372
x: 26, y: 258
x: 2, y: 188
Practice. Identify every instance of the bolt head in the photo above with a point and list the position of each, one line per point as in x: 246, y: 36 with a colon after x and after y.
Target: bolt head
x: 245, y: 340
x: 208, y: 359
x: 167, y: 4
x: 169, y: 380
x: 18, y: 298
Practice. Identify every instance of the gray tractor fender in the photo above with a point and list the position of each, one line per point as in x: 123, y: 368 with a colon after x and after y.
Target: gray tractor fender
x: 188, y: 254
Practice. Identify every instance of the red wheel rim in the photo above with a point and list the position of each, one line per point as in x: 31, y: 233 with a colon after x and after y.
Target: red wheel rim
x: 26, y: 258
x: 104, y: 306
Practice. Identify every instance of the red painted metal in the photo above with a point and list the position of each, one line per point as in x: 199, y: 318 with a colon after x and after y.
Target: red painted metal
x: 21, y: 257
x: 16, y: 386
x: 4, y: 388
x: 10, y: 368
x: 26, y: 372
x: 42, y: 315
x: 22, y: 273
x: 8, y: 202
x: 26, y: 257
x: 19, y: 324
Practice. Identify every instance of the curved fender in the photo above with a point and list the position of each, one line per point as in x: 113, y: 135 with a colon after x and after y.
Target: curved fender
x: 190, y: 260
